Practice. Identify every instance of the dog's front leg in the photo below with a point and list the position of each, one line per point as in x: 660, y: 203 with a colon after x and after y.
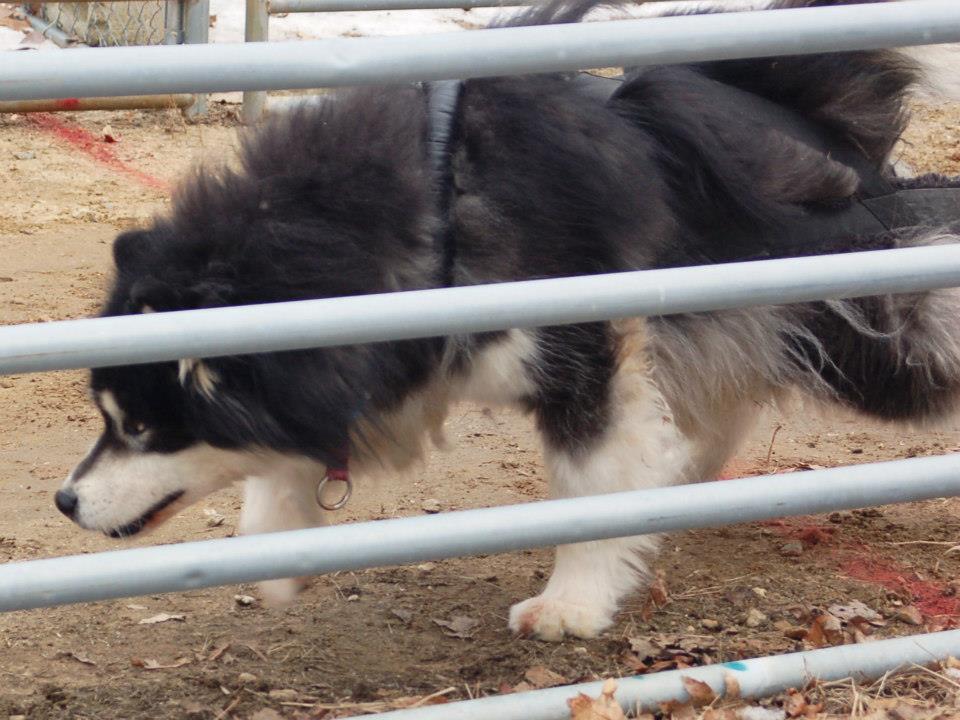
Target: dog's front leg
x: 640, y: 447
x: 284, y: 501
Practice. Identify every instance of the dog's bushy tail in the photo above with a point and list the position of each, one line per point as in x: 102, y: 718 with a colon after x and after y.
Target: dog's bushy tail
x: 892, y: 357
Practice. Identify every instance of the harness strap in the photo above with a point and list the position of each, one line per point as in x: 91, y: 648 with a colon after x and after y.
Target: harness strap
x: 443, y: 99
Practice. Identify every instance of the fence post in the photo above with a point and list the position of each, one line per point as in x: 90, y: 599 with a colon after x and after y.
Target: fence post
x: 257, y: 29
x: 173, y: 22
x: 195, y: 22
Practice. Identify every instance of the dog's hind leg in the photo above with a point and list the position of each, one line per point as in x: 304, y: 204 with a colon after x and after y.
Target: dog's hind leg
x: 606, y: 428
x: 285, y: 500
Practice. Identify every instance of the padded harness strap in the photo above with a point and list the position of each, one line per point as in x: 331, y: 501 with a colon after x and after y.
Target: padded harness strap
x: 443, y: 99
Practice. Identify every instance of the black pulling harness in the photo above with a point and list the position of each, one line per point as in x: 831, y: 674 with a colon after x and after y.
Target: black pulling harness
x: 443, y: 100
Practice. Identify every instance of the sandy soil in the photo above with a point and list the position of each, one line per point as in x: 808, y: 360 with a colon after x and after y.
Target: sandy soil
x: 363, y: 640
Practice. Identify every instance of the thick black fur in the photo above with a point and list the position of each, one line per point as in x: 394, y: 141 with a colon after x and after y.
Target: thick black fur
x: 548, y: 182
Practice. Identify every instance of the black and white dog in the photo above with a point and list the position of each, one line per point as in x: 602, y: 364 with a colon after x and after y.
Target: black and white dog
x: 493, y: 180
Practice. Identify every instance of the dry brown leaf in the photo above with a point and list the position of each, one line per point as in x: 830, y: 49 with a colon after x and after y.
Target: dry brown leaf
x: 825, y: 630
x: 458, y: 626
x: 910, y: 615
x: 217, y: 652
x: 700, y: 693
x: 605, y: 707
x: 541, y: 677
x: 73, y: 655
x: 403, y: 615
x: 638, y: 666
x: 657, y: 597
x: 162, y: 617
x: 731, y: 687
x: 796, y: 704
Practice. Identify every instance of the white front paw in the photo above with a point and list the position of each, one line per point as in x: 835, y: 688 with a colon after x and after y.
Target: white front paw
x: 550, y: 618
x: 280, y: 593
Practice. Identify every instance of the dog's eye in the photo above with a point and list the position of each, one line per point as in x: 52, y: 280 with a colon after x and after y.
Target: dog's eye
x: 133, y: 429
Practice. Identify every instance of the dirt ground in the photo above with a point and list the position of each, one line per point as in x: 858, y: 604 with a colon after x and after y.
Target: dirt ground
x: 362, y: 641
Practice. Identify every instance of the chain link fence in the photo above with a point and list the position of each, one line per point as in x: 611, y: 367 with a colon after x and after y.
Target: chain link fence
x: 138, y: 22
x: 106, y: 23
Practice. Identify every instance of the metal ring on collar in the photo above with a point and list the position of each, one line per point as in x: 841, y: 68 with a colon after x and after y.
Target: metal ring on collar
x: 348, y: 491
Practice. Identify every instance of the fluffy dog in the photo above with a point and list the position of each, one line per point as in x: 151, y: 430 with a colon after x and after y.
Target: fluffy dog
x: 529, y: 177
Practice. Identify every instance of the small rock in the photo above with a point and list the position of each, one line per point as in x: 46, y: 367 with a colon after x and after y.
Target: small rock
x: 910, y: 615
x: 24, y: 155
x: 755, y: 618
x: 430, y: 505
x: 17, y: 717
x: 426, y: 567
x: 710, y: 624
x: 353, y: 598
x: 791, y: 549
x: 246, y: 678
x: 286, y: 695
x: 245, y: 600
x: 759, y: 592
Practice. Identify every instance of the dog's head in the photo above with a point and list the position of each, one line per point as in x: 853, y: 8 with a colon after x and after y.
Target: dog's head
x: 148, y: 462
x: 323, y: 203
x: 176, y: 431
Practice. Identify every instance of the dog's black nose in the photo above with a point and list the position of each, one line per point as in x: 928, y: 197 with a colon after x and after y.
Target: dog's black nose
x: 66, y: 502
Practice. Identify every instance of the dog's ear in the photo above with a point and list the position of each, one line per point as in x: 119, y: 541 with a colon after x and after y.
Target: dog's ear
x: 132, y: 250
x: 149, y: 294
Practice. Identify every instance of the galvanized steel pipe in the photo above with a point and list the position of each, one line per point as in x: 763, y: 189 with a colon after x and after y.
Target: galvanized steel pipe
x: 354, y: 61
x: 758, y: 677
x: 167, y: 568
x: 478, y: 308
x: 135, y: 102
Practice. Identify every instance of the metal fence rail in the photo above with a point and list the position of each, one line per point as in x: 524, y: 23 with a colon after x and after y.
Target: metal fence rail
x: 756, y: 678
x: 295, y: 553
x: 355, y: 61
x: 478, y: 308
x: 108, y: 23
